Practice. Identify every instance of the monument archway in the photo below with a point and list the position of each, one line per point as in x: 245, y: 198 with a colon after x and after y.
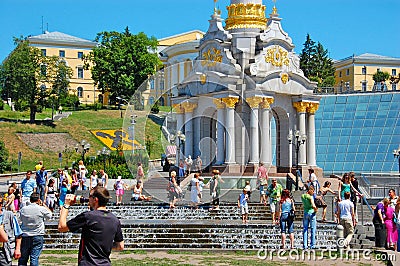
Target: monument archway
x: 280, y: 144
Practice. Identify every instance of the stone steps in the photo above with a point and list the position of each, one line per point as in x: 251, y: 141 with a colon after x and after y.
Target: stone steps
x: 257, y: 212
x: 198, y: 234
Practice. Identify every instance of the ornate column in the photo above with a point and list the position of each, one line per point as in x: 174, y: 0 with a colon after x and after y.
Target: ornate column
x: 311, y: 153
x: 196, y: 137
x: 220, y: 131
x: 301, y: 109
x: 254, y: 102
x: 180, y: 112
x: 266, y: 149
x: 189, y: 107
x: 230, y: 129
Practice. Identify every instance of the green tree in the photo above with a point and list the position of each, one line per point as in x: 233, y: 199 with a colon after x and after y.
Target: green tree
x: 26, y: 73
x: 122, y: 61
x: 307, y: 57
x: 316, y: 64
x: 4, y: 164
x: 380, y: 76
x: 60, y: 78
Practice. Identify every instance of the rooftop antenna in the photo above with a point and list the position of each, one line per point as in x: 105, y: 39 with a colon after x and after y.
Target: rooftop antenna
x: 42, y: 26
x: 47, y: 26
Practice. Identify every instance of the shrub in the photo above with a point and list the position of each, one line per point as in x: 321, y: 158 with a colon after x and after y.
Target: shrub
x: 4, y: 164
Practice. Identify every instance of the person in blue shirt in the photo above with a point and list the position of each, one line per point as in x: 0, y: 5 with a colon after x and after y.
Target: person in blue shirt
x: 41, y: 181
x: 12, y: 248
x: 244, y: 207
x: 28, y: 186
x: 63, y: 193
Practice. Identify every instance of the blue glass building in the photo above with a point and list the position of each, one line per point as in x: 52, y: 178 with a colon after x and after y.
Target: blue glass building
x: 358, y: 132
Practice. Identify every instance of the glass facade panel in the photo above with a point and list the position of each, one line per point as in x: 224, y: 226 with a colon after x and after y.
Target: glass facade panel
x: 357, y: 132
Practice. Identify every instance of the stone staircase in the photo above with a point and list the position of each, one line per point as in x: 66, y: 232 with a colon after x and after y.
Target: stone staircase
x: 153, y: 226
x: 363, y: 237
x: 160, y: 211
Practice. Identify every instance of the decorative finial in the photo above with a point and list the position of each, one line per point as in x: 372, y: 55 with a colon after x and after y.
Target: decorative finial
x: 216, y: 10
x: 274, y: 9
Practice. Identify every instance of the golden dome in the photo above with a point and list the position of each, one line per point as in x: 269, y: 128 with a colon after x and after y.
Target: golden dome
x: 246, y: 14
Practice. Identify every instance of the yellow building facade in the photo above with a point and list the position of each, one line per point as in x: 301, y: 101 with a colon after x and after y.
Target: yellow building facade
x: 177, y: 53
x: 71, y: 49
x: 355, y: 73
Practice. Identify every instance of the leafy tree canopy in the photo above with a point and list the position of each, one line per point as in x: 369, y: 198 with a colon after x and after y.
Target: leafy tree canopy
x: 29, y: 77
x: 316, y: 64
x: 122, y: 61
x: 380, y: 76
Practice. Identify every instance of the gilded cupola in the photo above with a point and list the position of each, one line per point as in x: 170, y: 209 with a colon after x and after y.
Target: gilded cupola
x: 245, y: 14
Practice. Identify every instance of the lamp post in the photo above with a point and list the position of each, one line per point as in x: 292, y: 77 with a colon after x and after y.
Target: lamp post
x: 178, y: 137
x: 396, y: 154
x: 84, y: 148
x: 120, y: 102
x: 133, y: 122
x: 297, y: 140
x: 104, y: 153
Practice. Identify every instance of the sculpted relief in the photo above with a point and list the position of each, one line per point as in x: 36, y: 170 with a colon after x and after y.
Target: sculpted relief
x: 276, y: 59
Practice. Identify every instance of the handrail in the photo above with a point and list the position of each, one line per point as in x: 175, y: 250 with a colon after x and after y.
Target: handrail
x: 369, y: 206
x: 364, y: 178
x: 298, y: 173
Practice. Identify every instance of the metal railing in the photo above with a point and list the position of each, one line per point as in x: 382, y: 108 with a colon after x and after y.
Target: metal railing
x: 377, y: 185
x: 350, y: 90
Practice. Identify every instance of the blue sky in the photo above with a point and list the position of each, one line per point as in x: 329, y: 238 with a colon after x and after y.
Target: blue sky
x: 344, y: 27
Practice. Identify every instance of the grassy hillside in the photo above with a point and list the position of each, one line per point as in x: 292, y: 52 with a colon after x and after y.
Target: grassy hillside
x: 78, y: 125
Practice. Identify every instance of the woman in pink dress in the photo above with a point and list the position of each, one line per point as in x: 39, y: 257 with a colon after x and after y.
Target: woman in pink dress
x: 391, y: 229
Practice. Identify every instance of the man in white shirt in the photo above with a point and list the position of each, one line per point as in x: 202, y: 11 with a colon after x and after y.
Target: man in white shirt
x: 33, y: 230
x: 346, y: 218
x: 393, y: 198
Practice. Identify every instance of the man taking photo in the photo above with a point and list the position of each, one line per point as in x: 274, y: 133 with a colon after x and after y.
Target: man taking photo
x: 101, y: 230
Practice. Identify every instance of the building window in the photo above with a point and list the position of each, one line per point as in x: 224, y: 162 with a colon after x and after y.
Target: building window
x: 394, y: 86
x: 80, y: 92
x: 364, y: 70
x: 347, y: 72
x: 364, y: 86
x: 151, y: 84
x: 80, y: 72
x: 161, y: 85
x: 80, y: 55
x: 394, y: 72
x: 151, y: 100
x: 43, y: 52
x: 61, y: 53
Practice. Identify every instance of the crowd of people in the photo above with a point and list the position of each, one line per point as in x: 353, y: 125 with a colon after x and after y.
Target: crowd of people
x: 24, y: 210
x: 40, y: 193
x: 386, y: 222
x: 187, y: 167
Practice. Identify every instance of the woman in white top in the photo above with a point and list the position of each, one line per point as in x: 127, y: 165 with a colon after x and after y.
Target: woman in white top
x: 93, y: 180
x: 194, y: 191
x: 82, y: 175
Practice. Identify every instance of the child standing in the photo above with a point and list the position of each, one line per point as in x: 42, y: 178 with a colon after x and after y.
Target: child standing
x: 119, y: 187
x: 248, y: 189
x: 244, y: 207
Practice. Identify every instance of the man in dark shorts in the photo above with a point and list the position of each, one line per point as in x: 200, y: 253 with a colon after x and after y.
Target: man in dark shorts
x: 101, y: 230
